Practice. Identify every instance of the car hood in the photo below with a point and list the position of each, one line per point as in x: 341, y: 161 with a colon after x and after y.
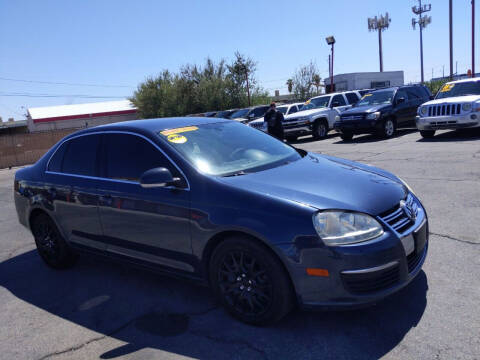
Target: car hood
x: 306, y: 113
x: 455, y: 99
x: 324, y: 182
x: 367, y: 109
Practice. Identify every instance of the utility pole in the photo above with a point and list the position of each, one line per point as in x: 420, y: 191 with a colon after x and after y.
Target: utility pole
x: 473, y: 38
x: 379, y: 24
x: 422, y: 22
x: 450, y: 22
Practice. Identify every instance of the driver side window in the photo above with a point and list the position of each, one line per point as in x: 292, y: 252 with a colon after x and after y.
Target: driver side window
x: 127, y: 157
x: 339, y: 100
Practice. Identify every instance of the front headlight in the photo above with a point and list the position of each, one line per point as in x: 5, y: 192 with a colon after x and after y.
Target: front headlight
x: 467, y: 106
x: 337, y: 227
x: 373, y: 116
x: 423, y: 111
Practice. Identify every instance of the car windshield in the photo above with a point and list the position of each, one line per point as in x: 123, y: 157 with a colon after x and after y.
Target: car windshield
x: 282, y: 109
x: 239, y: 113
x: 222, y: 114
x: 320, y: 101
x: 459, y: 89
x: 376, y: 98
x: 228, y: 148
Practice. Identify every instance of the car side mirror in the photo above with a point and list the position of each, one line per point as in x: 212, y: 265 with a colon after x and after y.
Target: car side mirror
x: 157, y: 177
x: 400, y: 100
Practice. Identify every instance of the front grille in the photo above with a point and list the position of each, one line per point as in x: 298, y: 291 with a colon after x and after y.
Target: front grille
x: 352, y: 117
x: 369, y: 282
x: 442, y: 123
x: 302, y: 119
x: 397, y: 218
x: 444, y: 110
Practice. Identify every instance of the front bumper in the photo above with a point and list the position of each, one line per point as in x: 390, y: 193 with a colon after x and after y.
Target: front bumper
x: 359, y: 274
x: 448, y: 122
x: 357, y: 126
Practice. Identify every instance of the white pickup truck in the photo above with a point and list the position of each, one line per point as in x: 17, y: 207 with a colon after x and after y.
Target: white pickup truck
x: 456, y: 106
x: 318, y: 115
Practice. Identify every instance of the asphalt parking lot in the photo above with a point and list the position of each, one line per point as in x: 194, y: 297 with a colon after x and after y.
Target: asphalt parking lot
x: 105, y: 310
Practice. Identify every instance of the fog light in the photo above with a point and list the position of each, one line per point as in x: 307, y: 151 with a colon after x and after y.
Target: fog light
x: 473, y: 116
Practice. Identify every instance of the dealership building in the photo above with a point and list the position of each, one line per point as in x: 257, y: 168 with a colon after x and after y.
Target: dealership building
x: 366, y: 80
x: 79, y: 116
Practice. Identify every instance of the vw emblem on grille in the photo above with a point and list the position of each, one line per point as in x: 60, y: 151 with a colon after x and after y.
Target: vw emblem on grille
x: 408, y: 210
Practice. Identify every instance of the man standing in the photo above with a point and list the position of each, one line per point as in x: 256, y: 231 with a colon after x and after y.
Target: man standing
x: 274, y: 120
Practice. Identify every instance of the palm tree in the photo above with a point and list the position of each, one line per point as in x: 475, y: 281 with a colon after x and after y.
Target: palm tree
x: 290, y: 85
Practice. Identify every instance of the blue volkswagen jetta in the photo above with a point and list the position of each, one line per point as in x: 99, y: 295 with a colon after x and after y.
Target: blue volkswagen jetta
x: 266, y: 225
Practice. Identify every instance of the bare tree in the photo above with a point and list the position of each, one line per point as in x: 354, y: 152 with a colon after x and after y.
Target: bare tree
x: 304, y: 81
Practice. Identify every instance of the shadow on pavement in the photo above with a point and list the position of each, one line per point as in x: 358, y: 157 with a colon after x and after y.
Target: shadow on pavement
x: 366, y: 138
x: 146, y: 310
x: 455, y: 135
x: 309, y: 138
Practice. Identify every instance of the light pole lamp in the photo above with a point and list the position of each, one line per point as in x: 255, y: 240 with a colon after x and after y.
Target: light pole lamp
x: 331, y: 41
x: 422, y: 22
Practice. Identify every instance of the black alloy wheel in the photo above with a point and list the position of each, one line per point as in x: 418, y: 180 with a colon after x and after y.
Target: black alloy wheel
x: 50, y: 244
x: 250, y: 282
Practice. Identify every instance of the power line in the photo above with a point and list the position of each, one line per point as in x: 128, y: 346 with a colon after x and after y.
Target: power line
x: 62, y: 96
x: 64, y: 83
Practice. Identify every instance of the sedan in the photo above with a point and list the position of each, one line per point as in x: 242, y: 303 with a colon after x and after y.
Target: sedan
x: 267, y: 226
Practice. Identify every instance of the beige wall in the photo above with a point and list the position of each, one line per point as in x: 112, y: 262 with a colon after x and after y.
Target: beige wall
x: 23, y: 149
x: 77, y: 123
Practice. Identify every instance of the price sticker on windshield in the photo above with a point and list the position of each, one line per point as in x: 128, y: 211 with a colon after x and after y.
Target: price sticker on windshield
x: 447, y: 87
x: 178, y: 130
x: 364, y: 96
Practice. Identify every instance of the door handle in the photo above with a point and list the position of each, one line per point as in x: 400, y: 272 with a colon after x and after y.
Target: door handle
x: 106, y: 200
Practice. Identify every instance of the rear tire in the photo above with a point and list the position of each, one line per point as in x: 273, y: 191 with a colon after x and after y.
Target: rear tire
x: 346, y: 136
x: 250, y: 282
x: 320, y: 130
x: 427, y: 134
x: 51, y: 246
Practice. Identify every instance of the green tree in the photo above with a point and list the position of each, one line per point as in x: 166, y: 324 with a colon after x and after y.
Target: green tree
x: 289, y: 84
x: 435, y: 85
x: 196, y: 89
x: 317, y: 82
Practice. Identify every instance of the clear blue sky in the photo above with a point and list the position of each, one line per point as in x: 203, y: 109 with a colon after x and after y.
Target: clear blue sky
x: 120, y: 42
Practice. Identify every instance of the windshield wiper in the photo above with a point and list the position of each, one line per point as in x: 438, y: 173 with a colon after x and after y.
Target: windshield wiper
x: 237, y: 173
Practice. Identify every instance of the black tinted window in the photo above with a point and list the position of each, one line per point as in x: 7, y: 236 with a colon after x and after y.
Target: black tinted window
x: 293, y: 109
x: 401, y: 93
x: 260, y: 111
x: 128, y: 157
x: 56, y: 160
x: 339, y: 100
x: 81, y: 155
x: 352, y: 98
x: 413, y: 94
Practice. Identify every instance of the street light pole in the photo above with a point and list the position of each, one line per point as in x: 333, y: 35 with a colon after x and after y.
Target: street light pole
x: 380, y: 50
x: 331, y: 41
x: 450, y: 21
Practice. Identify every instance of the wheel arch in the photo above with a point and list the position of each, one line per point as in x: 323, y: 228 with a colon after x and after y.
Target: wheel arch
x: 218, y: 238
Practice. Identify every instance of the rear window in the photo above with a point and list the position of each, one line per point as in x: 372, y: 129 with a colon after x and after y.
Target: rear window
x: 80, y: 156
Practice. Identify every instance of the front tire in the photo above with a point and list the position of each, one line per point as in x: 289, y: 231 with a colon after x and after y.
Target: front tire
x: 250, y: 282
x: 388, y: 129
x: 51, y: 246
x: 427, y: 134
x: 346, y: 136
x: 320, y: 130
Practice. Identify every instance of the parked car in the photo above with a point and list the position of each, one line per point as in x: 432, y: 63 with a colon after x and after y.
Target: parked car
x: 210, y: 114
x: 287, y: 109
x: 246, y: 115
x: 456, y: 106
x: 225, y: 114
x: 317, y: 115
x: 265, y: 225
x: 383, y: 111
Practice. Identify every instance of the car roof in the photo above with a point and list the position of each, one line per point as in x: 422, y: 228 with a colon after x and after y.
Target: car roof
x: 464, y: 80
x: 154, y: 125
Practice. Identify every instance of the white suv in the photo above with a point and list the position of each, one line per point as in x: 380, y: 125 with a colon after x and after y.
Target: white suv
x: 318, y: 115
x: 456, y: 106
x: 287, y: 109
